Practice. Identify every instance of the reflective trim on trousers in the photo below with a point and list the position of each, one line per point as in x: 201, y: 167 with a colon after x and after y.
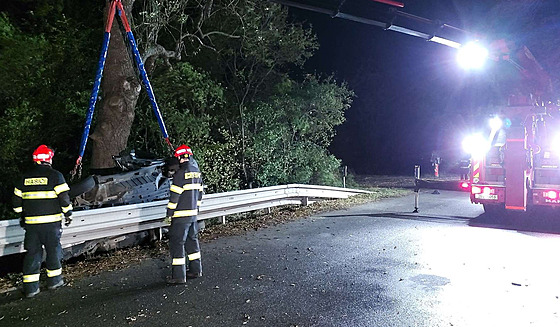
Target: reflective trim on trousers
x: 54, y: 273
x: 194, y: 256
x: 31, y: 278
x: 178, y: 261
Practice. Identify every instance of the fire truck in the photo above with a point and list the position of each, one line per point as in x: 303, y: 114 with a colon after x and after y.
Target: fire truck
x: 516, y: 165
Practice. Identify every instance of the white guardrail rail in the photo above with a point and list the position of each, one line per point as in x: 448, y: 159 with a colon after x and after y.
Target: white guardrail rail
x: 94, y: 224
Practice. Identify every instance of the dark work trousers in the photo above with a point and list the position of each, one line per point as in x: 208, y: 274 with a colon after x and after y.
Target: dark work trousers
x: 184, y: 247
x: 37, y: 236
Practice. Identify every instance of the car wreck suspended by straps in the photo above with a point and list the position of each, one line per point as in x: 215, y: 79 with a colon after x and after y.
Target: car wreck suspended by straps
x: 116, y: 8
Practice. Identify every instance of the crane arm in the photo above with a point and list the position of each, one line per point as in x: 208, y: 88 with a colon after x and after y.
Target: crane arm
x: 534, y: 79
x: 417, y: 26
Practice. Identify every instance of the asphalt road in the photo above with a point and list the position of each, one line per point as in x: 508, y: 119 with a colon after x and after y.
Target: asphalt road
x: 377, y: 264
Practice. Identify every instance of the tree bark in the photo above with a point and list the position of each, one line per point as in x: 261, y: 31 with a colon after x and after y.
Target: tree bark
x: 120, y: 88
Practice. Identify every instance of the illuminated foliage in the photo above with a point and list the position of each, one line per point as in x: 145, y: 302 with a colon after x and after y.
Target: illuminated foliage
x: 236, y: 90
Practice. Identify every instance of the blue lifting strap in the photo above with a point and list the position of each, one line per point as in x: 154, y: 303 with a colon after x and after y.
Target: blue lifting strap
x: 116, y: 7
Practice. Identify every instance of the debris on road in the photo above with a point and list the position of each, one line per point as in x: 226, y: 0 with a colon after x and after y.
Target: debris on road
x: 239, y: 224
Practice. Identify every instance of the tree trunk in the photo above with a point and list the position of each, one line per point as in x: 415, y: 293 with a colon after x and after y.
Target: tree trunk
x: 120, y: 90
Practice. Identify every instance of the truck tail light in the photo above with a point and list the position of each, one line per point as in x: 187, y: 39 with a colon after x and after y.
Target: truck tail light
x: 552, y: 195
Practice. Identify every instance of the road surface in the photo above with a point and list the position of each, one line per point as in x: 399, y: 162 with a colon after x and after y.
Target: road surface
x: 377, y: 264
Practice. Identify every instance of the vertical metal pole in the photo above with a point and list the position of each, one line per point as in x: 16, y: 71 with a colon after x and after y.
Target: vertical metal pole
x: 223, y: 220
x: 344, y: 176
x: 416, y: 187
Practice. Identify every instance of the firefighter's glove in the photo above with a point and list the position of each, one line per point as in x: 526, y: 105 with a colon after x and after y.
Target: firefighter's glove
x: 167, y: 221
x: 22, y: 223
x: 68, y: 218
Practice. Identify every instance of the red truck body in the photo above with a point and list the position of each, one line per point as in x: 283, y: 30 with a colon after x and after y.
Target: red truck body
x: 521, y: 169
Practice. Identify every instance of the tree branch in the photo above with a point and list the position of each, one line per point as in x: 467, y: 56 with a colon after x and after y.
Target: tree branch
x: 159, y: 51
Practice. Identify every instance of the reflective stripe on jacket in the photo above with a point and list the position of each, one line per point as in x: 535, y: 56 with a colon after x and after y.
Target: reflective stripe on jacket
x: 41, y: 195
x: 185, y: 191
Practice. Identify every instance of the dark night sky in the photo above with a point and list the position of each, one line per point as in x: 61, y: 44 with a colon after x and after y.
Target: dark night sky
x: 411, y: 98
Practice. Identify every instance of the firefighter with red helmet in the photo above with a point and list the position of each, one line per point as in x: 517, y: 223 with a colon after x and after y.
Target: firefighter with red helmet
x: 41, y: 197
x: 185, y: 197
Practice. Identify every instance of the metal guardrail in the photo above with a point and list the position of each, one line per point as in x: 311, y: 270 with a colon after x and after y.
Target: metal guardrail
x: 94, y: 224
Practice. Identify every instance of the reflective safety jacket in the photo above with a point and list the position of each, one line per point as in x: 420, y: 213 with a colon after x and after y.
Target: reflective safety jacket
x: 185, y: 191
x: 41, y: 195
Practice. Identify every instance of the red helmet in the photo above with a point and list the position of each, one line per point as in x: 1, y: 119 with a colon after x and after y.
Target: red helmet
x: 43, y: 153
x: 183, y: 150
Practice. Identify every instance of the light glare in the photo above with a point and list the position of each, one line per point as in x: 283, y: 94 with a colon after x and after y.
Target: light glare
x: 472, y: 56
x: 495, y: 123
x: 476, y: 145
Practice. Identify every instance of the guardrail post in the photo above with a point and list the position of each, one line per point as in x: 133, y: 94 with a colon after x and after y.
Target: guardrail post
x: 305, y: 201
x: 416, y: 186
x: 223, y: 219
x: 345, y: 173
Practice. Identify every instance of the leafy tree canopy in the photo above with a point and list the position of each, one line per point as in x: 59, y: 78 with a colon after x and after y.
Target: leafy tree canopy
x: 228, y: 77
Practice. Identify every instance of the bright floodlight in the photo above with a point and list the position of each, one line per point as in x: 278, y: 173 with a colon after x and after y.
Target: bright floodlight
x: 472, y: 56
x: 495, y: 123
x: 476, y: 145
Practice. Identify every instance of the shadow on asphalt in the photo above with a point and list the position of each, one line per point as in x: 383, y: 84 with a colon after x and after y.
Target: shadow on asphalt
x: 536, y: 222
x: 544, y: 222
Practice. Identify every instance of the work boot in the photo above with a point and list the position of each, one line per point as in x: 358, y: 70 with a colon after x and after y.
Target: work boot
x: 193, y: 275
x: 57, y: 285
x: 175, y: 281
x: 32, y: 294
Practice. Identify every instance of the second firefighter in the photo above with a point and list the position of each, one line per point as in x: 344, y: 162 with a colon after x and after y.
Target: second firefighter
x: 185, y: 197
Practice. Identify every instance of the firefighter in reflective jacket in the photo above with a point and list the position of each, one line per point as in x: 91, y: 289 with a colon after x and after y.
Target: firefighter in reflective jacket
x: 182, y: 209
x: 41, y: 197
